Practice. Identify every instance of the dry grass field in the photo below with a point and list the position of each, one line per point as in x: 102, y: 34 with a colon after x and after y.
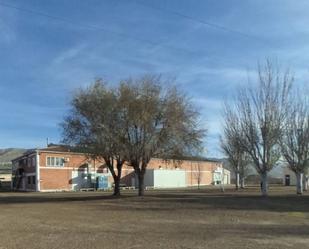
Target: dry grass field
x: 162, y: 219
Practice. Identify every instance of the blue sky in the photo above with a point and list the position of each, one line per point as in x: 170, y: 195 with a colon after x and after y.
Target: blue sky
x: 49, y: 48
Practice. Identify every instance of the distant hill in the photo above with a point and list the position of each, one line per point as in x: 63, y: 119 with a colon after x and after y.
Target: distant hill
x: 6, y: 155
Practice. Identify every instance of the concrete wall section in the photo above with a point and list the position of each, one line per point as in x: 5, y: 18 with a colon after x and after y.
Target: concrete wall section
x: 149, y: 178
x: 169, y: 178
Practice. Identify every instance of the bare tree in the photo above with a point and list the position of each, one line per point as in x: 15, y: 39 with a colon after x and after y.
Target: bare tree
x: 94, y: 125
x: 244, y: 169
x: 261, y: 113
x: 161, y: 122
x: 295, y: 140
x: 132, y: 123
x: 232, y: 147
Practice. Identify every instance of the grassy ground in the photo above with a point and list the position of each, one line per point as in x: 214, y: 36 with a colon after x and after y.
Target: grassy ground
x: 162, y: 219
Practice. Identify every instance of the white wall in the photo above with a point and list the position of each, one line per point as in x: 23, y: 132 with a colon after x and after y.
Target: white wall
x: 175, y: 178
x: 148, y: 178
x: 169, y: 178
x: 218, y: 177
x: 227, y: 176
x: 164, y: 178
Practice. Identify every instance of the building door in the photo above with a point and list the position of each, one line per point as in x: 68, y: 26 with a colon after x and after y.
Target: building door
x: 287, y: 180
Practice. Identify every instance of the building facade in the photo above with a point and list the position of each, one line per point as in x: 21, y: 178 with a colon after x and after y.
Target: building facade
x: 289, y: 177
x: 56, y: 168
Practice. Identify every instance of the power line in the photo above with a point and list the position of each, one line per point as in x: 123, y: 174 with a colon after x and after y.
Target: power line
x: 193, y: 19
x: 94, y: 27
x: 121, y: 34
x: 70, y: 21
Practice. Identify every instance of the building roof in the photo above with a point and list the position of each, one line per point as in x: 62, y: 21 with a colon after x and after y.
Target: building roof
x: 196, y: 158
x: 50, y: 148
x: 60, y: 148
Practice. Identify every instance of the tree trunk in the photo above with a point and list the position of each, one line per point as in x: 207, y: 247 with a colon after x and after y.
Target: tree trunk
x: 237, y: 181
x: 242, y: 183
x: 305, y: 183
x: 264, y: 184
x: 141, y: 186
x: 116, y: 186
x: 117, y: 178
x: 299, y: 183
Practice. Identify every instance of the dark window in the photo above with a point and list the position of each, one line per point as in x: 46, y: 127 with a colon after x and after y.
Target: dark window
x: 29, y: 179
x: 33, y: 180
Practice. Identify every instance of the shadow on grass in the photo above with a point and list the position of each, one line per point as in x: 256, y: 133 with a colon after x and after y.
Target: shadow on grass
x: 218, y: 231
x: 22, y: 198
x: 279, y: 203
x: 207, y: 199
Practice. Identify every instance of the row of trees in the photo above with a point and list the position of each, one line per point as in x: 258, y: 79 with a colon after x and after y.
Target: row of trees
x: 131, y: 123
x: 268, y: 123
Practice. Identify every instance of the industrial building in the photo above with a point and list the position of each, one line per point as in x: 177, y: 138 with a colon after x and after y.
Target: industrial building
x: 57, y: 168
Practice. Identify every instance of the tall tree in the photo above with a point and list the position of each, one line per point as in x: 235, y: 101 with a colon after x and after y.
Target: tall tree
x: 95, y: 125
x: 161, y: 122
x: 232, y: 147
x: 261, y: 113
x: 295, y: 140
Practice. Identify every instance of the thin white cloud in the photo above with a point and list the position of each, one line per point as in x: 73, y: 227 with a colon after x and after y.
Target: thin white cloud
x: 235, y: 75
x: 68, y: 54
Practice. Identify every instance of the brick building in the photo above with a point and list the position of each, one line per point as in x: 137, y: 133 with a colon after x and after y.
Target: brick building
x: 56, y: 168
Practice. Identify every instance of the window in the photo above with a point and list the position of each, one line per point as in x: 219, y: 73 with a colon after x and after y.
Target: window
x: 29, y: 179
x: 55, y: 161
x: 33, y: 180
x: 33, y: 161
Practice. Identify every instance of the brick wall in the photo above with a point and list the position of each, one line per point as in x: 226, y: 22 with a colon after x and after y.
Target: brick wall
x: 60, y: 177
x: 195, y: 170
x: 55, y: 179
x: 52, y: 178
